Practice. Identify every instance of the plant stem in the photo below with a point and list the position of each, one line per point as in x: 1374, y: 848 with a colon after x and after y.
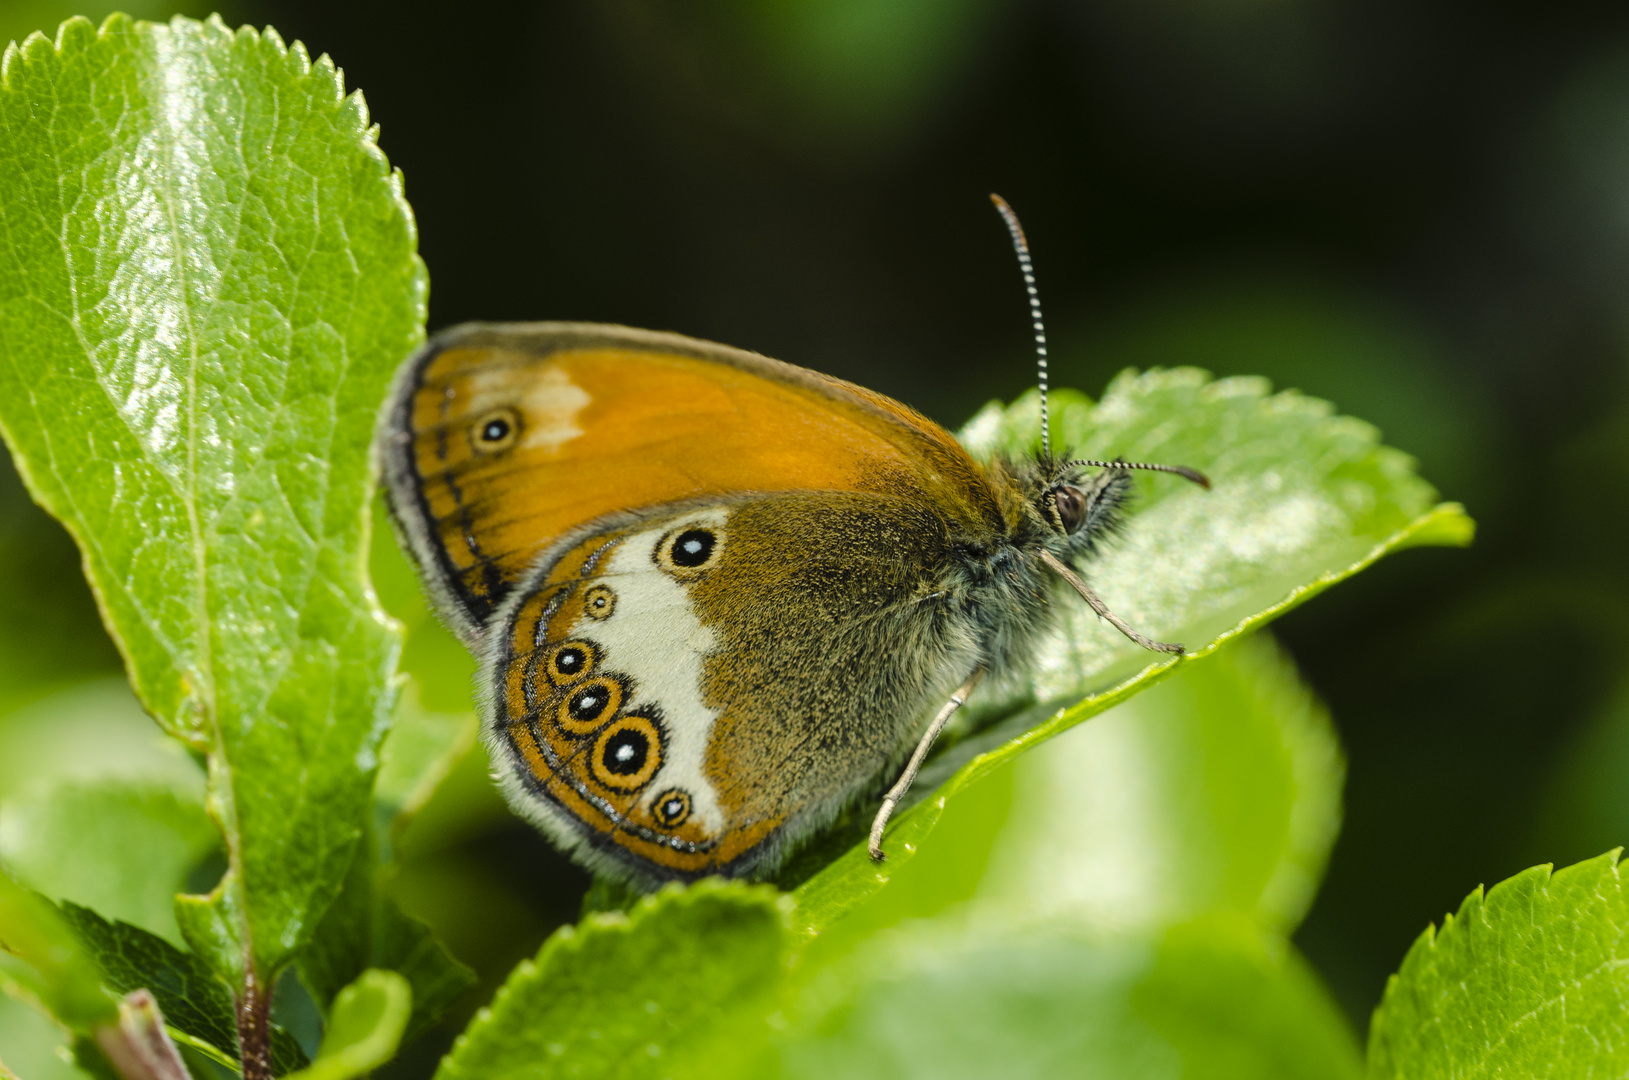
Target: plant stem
x: 254, y: 1030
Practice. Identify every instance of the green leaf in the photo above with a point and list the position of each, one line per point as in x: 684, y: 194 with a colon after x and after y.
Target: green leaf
x: 195, y: 1002
x: 1209, y: 999
x: 1527, y: 980
x: 40, y: 951
x: 623, y: 995
x: 93, y: 733
x: 365, y: 1027
x: 207, y: 279
x: 124, y: 849
x: 1301, y: 499
x: 99, y: 807
x: 1218, y: 790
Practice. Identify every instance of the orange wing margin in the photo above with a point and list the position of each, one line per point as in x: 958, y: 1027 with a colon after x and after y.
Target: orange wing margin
x: 500, y: 438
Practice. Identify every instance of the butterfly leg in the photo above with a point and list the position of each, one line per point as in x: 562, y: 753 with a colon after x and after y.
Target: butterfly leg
x: 897, y: 792
x: 1102, y: 609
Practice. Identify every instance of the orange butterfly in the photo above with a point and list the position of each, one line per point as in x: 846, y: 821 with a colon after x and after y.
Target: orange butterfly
x: 716, y: 596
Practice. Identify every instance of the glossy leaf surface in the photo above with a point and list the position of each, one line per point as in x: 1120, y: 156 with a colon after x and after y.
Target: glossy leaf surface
x: 208, y: 275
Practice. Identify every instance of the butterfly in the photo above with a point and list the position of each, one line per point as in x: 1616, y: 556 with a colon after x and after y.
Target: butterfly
x: 718, y: 598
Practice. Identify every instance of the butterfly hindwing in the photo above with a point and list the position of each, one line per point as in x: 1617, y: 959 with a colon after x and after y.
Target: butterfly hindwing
x: 686, y: 691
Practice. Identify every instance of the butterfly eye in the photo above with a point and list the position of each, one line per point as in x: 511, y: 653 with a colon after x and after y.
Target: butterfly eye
x: 628, y: 754
x: 593, y: 701
x: 671, y: 808
x: 495, y: 431
x: 1071, y: 506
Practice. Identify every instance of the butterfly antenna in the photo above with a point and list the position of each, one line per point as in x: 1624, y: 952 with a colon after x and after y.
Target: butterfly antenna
x: 1020, y: 246
x: 1181, y: 470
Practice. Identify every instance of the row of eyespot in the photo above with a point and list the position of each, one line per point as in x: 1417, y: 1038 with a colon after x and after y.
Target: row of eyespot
x: 628, y: 752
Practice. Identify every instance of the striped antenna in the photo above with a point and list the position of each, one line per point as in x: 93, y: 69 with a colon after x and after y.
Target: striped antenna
x: 1021, y: 246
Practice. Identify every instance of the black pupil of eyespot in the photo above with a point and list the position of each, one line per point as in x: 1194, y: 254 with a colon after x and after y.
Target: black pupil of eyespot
x: 588, y: 703
x: 625, y: 752
x: 693, y: 547
x: 495, y: 430
x: 570, y: 661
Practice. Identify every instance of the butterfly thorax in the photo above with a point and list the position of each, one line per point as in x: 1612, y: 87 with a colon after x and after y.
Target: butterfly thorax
x: 996, y: 577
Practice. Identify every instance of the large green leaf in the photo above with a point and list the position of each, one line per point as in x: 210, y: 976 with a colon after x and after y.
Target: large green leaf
x: 623, y: 995
x: 1531, y: 979
x: 1211, y: 999
x: 1301, y: 499
x: 1218, y: 790
x: 207, y: 277
x: 31, y: 1043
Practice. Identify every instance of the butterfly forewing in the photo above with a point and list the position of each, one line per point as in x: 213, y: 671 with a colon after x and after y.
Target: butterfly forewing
x: 500, y: 439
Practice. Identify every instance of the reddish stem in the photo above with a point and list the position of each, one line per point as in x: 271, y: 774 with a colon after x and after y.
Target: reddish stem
x: 254, y: 1030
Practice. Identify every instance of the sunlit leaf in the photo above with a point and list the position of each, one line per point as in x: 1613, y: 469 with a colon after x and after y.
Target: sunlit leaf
x: 1530, y: 979
x: 207, y: 278
x: 1210, y: 999
x: 622, y: 995
x: 1217, y: 790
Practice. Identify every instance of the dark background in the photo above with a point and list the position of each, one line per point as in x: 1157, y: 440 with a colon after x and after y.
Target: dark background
x: 1418, y: 209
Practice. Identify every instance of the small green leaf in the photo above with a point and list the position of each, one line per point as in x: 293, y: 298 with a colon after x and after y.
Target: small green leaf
x: 195, y: 1002
x: 1214, y: 998
x: 1530, y: 979
x: 365, y: 1026
x: 207, y: 279
x: 623, y: 995
x: 40, y: 951
x: 1301, y: 499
